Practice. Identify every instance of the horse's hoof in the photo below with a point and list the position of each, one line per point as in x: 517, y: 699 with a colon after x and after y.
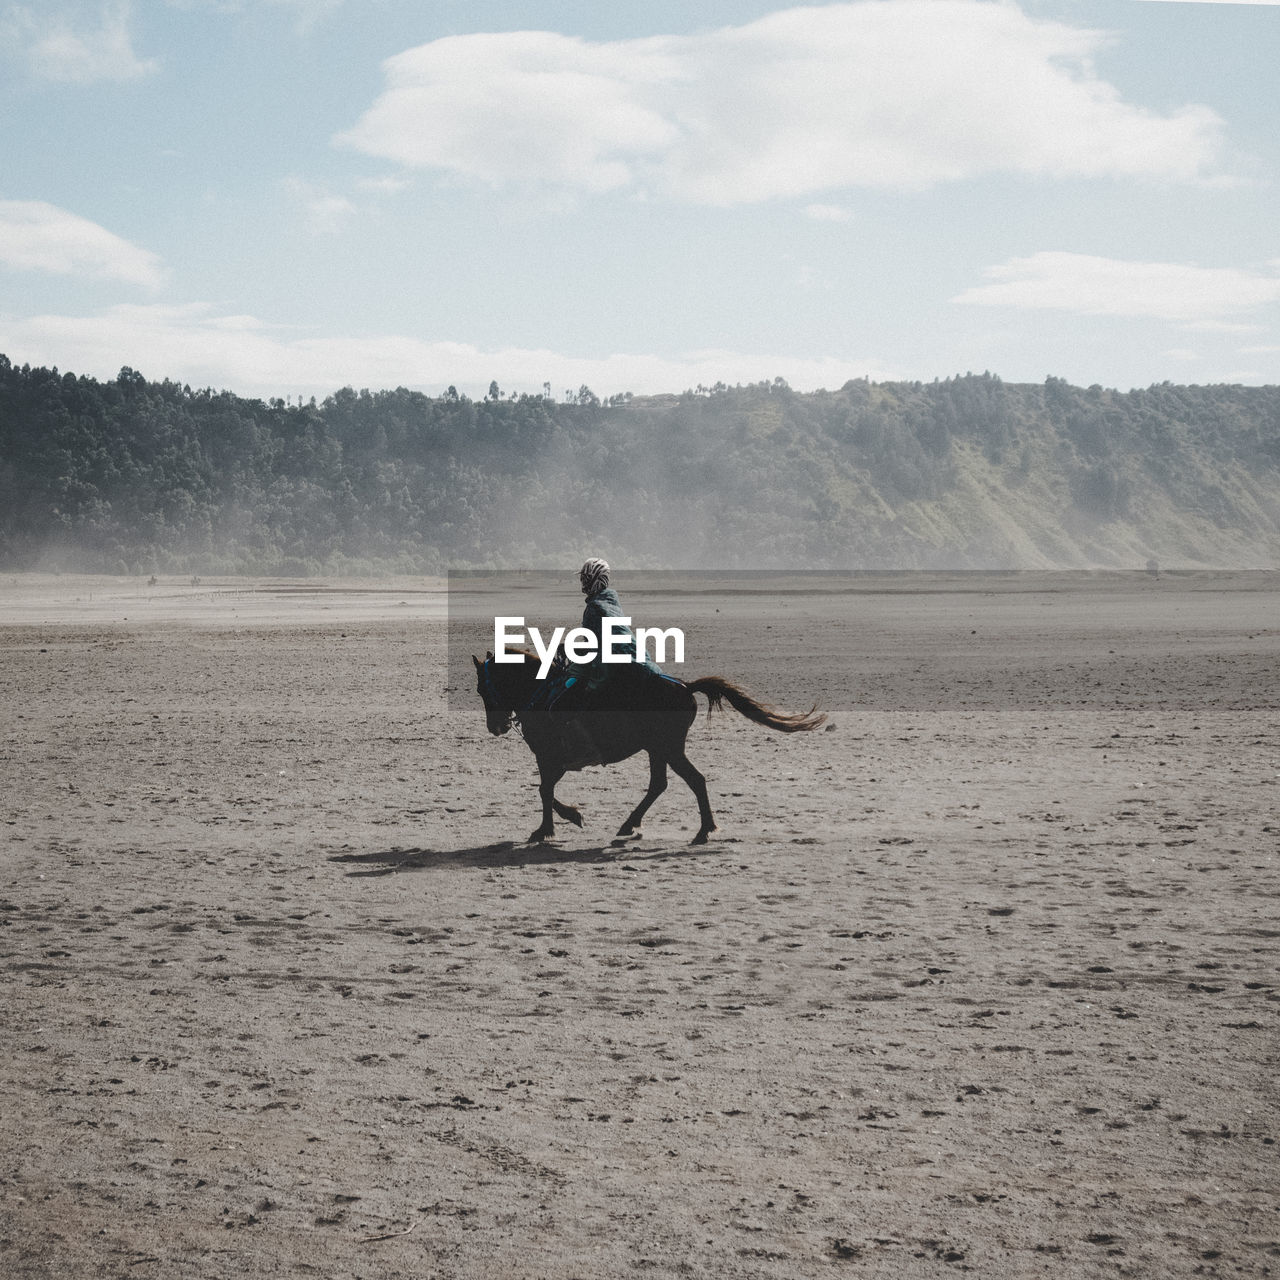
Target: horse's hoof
x: 538, y: 837
x: 628, y: 831
x: 574, y: 816
x: 700, y: 838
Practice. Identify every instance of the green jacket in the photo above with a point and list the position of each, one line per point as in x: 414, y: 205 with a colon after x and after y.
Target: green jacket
x: 605, y: 604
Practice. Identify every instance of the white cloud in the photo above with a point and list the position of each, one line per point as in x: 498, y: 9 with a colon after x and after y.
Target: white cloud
x: 386, y: 186
x: 884, y: 93
x: 77, y: 44
x: 1094, y: 286
x: 35, y: 236
x: 529, y: 106
x: 828, y: 213
x: 325, y: 214
x: 196, y: 345
x: 1217, y: 1
x: 1219, y: 326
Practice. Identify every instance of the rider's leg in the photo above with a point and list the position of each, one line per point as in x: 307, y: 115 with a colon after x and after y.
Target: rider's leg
x: 566, y: 712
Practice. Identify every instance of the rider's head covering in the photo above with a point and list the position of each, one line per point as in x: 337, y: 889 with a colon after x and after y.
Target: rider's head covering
x: 594, y: 576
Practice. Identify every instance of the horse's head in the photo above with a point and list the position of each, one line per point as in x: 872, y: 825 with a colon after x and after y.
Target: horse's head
x: 498, y: 713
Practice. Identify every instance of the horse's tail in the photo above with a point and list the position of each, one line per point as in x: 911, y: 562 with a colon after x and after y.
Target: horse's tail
x: 717, y: 688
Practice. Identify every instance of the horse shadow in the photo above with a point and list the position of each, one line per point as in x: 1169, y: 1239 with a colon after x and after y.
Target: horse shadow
x: 508, y: 853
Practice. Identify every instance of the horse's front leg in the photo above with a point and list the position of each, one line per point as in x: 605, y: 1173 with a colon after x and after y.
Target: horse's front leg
x: 548, y: 776
x: 569, y: 812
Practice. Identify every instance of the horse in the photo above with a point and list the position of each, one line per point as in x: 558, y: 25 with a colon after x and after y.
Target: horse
x: 636, y: 711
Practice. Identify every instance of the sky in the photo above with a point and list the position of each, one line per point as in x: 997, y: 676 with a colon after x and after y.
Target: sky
x: 284, y: 197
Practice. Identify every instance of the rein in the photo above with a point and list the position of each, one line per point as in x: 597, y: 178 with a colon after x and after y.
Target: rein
x: 491, y: 691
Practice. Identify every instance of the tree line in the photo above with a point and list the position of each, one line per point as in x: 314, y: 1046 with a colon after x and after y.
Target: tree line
x: 136, y: 476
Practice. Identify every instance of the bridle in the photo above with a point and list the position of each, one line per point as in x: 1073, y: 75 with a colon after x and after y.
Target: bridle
x: 489, y: 691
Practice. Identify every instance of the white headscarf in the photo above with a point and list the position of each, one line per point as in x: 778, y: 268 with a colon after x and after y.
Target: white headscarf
x: 594, y: 576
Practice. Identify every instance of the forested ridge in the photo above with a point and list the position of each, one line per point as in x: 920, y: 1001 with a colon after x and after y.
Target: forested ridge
x: 131, y: 475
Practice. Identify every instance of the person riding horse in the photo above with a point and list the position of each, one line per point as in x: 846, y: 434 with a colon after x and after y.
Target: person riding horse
x: 594, y: 713
x: 584, y: 680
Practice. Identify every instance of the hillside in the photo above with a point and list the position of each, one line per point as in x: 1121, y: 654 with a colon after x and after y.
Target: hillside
x: 131, y: 475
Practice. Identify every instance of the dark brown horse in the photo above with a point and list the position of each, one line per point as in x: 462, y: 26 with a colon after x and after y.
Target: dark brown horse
x: 635, y: 711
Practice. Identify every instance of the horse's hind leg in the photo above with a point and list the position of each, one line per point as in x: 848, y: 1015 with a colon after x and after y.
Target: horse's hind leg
x: 698, y: 785
x: 657, y: 785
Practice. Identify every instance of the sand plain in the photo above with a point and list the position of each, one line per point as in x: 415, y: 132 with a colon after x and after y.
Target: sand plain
x: 983, y: 979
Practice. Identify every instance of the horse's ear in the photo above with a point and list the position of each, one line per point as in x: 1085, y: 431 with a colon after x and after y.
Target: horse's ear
x: 488, y: 657
x: 477, y: 661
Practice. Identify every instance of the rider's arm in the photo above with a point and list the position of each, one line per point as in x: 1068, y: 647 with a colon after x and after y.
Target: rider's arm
x: 591, y: 619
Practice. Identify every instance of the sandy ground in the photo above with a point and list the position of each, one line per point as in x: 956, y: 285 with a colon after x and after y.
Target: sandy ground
x: 983, y: 979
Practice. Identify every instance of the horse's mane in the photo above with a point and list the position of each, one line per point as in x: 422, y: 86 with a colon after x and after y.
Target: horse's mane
x: 524, y: 653
x: 526, y: 657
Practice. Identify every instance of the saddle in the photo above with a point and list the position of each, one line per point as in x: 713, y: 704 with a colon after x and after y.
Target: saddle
x: 572, y: 701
